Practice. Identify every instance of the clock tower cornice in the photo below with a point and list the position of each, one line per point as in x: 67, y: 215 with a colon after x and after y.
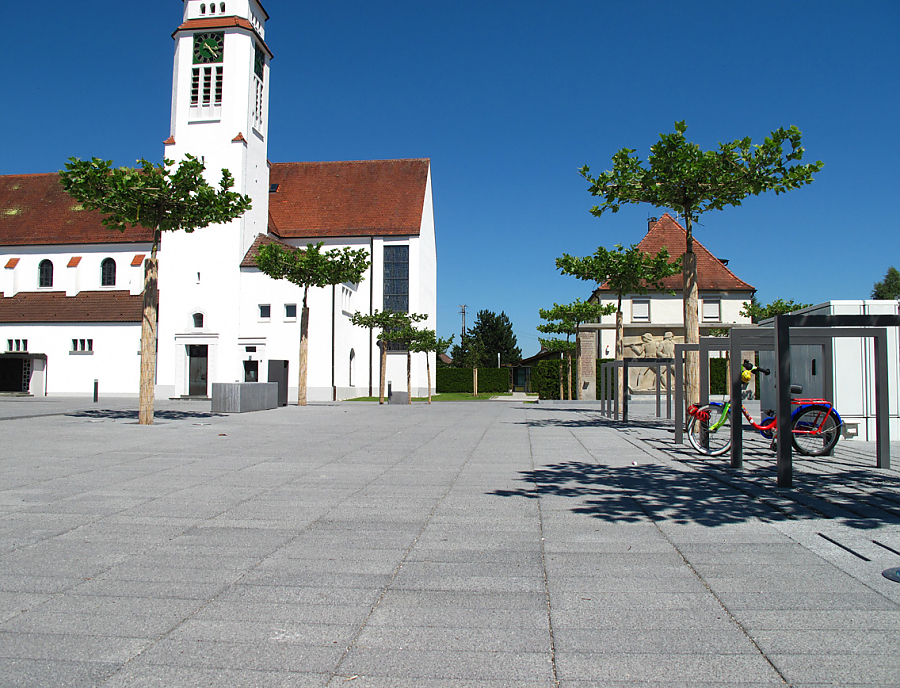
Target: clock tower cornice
x: 222, y: 23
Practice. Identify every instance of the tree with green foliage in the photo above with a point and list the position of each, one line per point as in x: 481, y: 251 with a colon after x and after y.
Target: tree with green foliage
x: 466, y: 353
x: 160, y: 199
x: 622, y: 271
x: 680, y: 176
x: 393, y: 327
x: 567, y: 319
x: 311, y: 267
x: 753, y: 310
x: 491, y: 334
x: 426, y: 341
x: 888, y: 289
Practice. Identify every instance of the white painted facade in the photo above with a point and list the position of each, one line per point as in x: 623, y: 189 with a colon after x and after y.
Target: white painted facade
x: 658, y: 312
x: 200, y: 273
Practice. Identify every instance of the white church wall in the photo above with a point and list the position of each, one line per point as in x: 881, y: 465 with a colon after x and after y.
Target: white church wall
x: 107, y: 352
x: 71, y: 280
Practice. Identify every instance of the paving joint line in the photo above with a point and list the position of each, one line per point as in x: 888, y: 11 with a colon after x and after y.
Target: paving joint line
x: 546, y: 583
x: 396, y: 572
x: 690, y: 566
x: 152, y: 642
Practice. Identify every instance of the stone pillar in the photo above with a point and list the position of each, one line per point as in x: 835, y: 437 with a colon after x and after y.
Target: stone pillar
x: 587, y: 366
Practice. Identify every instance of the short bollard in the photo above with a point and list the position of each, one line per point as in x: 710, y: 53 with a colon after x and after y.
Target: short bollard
x: 96, y: 391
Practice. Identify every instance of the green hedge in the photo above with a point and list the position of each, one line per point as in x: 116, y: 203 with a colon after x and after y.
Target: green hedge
x: 545, y: 378
x: 495, y: 380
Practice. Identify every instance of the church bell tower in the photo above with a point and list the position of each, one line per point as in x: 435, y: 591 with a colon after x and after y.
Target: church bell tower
x: 220, y: 96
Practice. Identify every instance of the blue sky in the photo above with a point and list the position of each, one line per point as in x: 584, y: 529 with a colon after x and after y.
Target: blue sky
x: 509, y: 100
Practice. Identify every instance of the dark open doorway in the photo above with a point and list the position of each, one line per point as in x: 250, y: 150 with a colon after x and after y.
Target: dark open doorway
x: 198, y: 367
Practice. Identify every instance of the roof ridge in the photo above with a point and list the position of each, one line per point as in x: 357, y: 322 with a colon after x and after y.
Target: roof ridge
x: 344, y: 162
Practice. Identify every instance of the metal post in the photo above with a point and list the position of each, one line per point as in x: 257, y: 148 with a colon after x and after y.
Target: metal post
x: 668, y: 392
x: 882, y: 427
x: 734, y: 385
x: 96, y: 391
x: 658, y: 371
x: 625, y: 394
x: 783, y: 395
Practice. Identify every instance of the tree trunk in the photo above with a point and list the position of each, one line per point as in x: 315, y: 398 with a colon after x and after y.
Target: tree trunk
x: 304, y: 354
x: 428, y: 369
x: 383, y: 372
x: 561, y: 386
x: 577, y: 366
x: 148, y: 339
x: 620, y: 354
x: 691, y: 329
x: 408, y: 376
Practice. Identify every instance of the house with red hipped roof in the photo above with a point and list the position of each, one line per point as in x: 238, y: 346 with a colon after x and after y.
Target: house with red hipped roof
x: 70, y: 289
x: 655, y: 322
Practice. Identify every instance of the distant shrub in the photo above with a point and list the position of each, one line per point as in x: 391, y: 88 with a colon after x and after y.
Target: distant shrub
x: 495, y: 380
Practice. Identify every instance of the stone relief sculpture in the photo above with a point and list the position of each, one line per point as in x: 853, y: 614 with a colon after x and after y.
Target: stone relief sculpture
x: 644, y: 379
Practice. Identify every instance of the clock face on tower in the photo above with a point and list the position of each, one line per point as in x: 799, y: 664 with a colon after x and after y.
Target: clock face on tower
x: 208, y: 47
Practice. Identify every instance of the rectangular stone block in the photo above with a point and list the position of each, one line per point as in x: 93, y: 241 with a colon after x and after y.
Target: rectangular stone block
x: 242, y: 397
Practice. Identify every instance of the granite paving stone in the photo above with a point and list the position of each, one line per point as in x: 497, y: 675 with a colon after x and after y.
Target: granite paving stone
x: 487, y: 544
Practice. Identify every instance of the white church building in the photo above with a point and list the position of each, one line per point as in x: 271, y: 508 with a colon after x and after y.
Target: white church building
x: 70, y: 306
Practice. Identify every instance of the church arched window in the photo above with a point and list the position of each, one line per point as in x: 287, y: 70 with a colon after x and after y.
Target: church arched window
x: 212, y: 8
x: 202, y: 8
x: 198, y: 320
x: 222, y: 7
x: 108, y: 273
x: 45, y: 274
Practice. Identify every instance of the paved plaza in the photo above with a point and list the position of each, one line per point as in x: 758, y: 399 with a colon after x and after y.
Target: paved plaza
x: 469, y: 544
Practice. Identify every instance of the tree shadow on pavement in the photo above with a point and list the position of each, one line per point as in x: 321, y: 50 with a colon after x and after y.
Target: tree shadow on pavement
x: 127, y: 414
x: 653, y: 492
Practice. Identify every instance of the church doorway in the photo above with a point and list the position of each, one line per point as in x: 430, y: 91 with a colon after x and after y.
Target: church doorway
x: 198, y: 367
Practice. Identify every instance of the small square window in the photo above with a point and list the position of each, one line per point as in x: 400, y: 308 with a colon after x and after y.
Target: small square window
x: 712, y: 310
x: 290, y: 311
x: 640, y: 310
x: 265, y: 311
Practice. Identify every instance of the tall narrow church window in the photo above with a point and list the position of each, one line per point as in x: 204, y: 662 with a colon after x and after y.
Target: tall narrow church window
x: 259, y: 64
x: 396, y: 283
x: 108, y: 273
x: 202, y: 8
x: 45, y: 274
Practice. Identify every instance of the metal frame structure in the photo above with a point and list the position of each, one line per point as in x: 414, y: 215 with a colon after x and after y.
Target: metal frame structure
x: 609, y: 386
x: 825, y: 325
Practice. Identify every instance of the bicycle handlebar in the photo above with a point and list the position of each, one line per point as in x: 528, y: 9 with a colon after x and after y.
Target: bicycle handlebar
x: 755, y: 369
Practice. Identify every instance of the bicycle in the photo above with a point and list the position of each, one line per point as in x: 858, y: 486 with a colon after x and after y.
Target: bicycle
x: 815, y: 423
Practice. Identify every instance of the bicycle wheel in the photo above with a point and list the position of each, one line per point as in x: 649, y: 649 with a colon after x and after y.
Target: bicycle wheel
x: 710, y: 442
x: 808, y: 438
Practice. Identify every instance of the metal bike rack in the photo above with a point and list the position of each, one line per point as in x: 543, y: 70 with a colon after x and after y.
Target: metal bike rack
x: 763, y: 339
x: 864, y: 326
x: 609, y: 379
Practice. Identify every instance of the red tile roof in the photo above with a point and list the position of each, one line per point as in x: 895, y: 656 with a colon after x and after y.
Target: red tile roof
x: 249, y: 260
x: 74, y: 261
x: 12, y: 262
x: 34, y: 210
x: 137, y: 260
x: 222, y: 23
x: 55, y: 306
x: 349, y: 198
x: 712, y: 275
